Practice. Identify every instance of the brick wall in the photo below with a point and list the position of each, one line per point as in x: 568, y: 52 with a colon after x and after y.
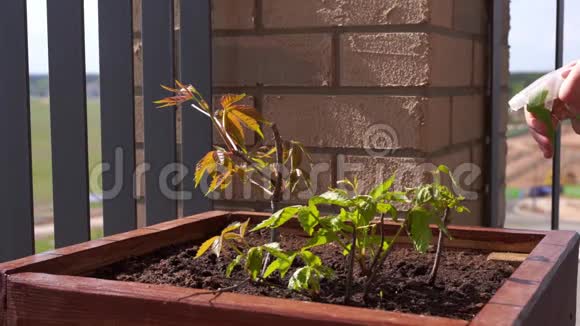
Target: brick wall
x: 369, y: 86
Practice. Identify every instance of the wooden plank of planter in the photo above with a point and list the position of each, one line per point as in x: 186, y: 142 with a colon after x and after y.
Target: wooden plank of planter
x: 507, y: 257
x: 38, y: 299
x: 82, y: 258
x: 542, y: 290
x: 549, y: 270
x: 87, y: 256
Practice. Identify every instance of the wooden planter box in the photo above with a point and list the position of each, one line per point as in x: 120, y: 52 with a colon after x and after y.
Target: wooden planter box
x: 49, y: 288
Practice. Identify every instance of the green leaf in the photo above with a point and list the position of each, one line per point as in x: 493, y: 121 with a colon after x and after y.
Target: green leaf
x: 346, y: 250
x: 420, y: 232
x: 337, y: 223
x: 310, y: 259
x: 217, y: 245
x: 443, y: 169
x: 424, y: 195
x: 279, y: 218
x: 207, y: 164
x: 233, y: 264
x: 385, y: 208
x: 244, y: 227
x: 254, y: 262
x: 332, y: 197
x: 382, y: 189
x: 231, y: 227
x: 307, y: 218
x: 538, y: 108
x: 274, y: 249
x: 321, y: 237
x: 282, y: 264
x: 249, y: 121
x: 300, y: 279
x: 366, y: 210
x: 205, y: 246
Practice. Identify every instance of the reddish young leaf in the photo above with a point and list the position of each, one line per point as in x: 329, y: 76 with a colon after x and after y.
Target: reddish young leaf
x: 228, y: 99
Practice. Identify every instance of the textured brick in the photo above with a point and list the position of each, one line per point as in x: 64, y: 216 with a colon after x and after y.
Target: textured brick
x: 233, y: 14
x: 451, y: 61
x: 454, y: 158
x: 474, y: 218
x: 371, y: 171
x: 405, y: 59
x: 464, y: 171
x: 470, y: 16
x: 479, y: 64
x: 385, y: 59
x: 281, y: 60
x: 468, y: 118
x: 375, y: 122
x: 441, y: 13
x: 317, y: 13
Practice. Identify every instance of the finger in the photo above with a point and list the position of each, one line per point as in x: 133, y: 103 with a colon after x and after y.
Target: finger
x: 535, y: 124
x: 543, y: 143
x: 539, y: 132
x: 567, y: 68
x: 560, y: 111
x: 569, y: 93
x: 576, y: 125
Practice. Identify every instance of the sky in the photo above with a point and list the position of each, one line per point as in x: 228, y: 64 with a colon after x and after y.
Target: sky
x: 531, y: 39
x: 533, y: 34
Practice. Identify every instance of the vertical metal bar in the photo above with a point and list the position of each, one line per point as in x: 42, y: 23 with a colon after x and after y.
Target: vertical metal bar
x: 16, y: 208
x: 195, y: 69
x: 117, y: 115
x: 160, y: 148
x: 557, y: 139
x: 493, y: 138
x: 68, y: 121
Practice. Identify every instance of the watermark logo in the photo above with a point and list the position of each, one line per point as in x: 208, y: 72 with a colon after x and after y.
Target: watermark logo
x: 380, y: 140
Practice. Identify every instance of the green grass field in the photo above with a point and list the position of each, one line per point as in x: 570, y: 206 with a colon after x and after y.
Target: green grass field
x: 41, y: 148
x: 45, y: 244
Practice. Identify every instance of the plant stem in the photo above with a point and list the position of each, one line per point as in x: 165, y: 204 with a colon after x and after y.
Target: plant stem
x: 381, y: 244
x: 277, y: 194
x: 350, y: 267
x: 374, y: 271
x: 433, y: 274
x: 251, y: 163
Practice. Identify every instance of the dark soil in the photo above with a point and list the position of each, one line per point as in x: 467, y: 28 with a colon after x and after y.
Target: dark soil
x: 466, y: 280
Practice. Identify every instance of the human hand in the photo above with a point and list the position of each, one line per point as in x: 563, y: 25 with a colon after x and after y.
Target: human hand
x: 567, y: 106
